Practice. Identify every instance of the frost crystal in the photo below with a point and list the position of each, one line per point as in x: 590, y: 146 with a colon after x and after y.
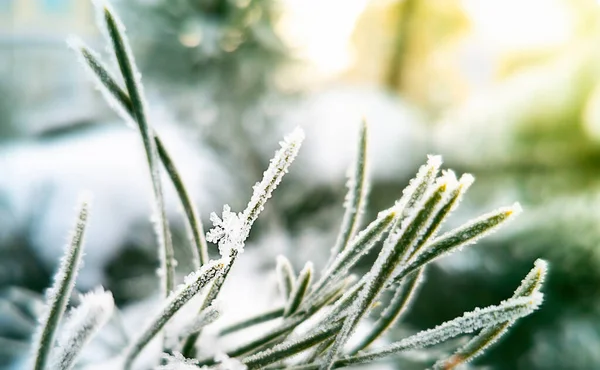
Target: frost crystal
x: 272, y: 176
x: 229, y: 232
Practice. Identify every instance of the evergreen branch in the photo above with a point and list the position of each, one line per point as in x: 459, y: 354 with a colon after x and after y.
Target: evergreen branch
x: 389, y: 257
x: 58, y: 295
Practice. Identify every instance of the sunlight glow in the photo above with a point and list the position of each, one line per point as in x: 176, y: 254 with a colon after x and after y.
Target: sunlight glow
x: 320, y: 31
x: 520, y: 24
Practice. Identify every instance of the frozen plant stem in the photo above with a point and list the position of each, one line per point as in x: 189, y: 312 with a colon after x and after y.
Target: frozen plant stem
x: 58, y: 295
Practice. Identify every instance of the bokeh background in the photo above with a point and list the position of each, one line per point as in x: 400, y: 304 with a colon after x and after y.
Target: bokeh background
x: 507, y: 90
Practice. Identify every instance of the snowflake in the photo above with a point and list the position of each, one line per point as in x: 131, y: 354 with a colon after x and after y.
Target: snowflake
x: 229, y: 232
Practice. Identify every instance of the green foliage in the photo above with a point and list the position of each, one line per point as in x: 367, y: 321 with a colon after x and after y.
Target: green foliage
x: 319, y: 316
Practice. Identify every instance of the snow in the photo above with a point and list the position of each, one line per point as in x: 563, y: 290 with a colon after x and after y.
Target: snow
x: 41, y: 180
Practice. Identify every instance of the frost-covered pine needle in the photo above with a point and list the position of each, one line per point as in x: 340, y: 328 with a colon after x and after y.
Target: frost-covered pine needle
x: 455, y: 239
x: 300, y: 288
x: 397, y: 306
x: 386, y: 262
x: 418, y: 186
x: 508, y: 310
x: 291, y: 347
x: 285, y: 276
x: 105, y: 82
x: 205, y: 317
x: 232, y: 229
x: 58, y: 295
x: 356, y: 198
x: 194, y: 282
x: 83, y: 323
x: 360, y: 245
x: 531, y: 284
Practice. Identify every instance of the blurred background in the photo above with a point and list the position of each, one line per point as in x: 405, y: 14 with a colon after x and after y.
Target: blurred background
x: 507, y: 90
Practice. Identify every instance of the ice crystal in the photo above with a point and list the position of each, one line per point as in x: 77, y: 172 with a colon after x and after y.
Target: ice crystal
x: 229, y: 231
